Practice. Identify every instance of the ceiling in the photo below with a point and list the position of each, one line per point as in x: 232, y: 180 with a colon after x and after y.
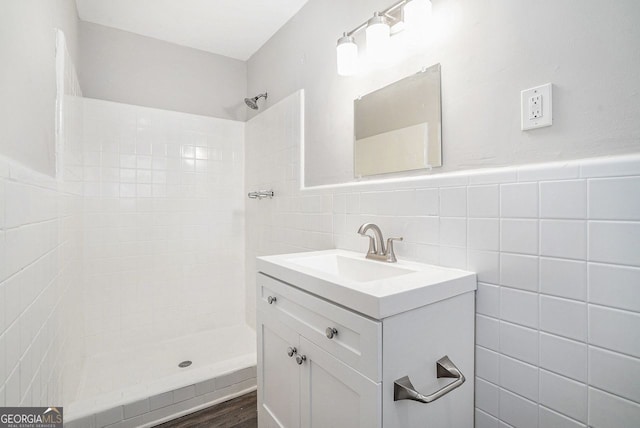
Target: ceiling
x: 233, y: 28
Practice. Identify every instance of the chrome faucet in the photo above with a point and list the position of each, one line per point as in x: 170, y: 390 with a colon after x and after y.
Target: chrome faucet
x: 377, y: 249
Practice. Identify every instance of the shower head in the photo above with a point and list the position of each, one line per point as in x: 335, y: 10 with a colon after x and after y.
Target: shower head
x: 253, y: 102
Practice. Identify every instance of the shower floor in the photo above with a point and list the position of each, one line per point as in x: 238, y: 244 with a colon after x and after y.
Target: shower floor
x: 125, y: 376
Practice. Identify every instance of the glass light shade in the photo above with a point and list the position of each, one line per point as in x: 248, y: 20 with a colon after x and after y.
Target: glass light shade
x: 378, y: 36
x: 416, y: 13
x: 347, y: 56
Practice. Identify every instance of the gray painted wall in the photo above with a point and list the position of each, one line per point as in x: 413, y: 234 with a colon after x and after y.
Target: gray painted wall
x: 28, y: 77
x: 589, y: 49
x: 119, y: 66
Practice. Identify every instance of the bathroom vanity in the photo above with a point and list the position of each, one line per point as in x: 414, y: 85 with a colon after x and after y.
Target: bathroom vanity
x: 349, y: 342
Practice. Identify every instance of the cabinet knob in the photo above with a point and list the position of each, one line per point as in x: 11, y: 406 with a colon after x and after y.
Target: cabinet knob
x: 271, y: 299
x: 291, y: 351
x: 330, y: 332
x: 301, y: 359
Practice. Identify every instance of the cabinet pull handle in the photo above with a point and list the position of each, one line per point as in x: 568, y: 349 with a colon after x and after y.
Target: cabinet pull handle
x: 291, y: 351
x: 301, y: 359
x: 403, y: 389
x: 330, y: 332
x: 271, y: 299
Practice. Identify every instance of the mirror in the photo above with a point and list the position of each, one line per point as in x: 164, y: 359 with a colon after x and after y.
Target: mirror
x: 398, y: 128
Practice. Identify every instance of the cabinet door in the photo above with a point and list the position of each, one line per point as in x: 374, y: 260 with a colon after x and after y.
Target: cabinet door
x: 333, y: 395
x: 278, y: 375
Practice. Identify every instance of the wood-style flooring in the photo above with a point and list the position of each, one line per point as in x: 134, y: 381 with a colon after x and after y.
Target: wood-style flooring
x: 241, y: 412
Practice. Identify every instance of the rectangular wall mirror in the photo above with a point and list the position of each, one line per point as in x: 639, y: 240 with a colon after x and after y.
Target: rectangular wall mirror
x: 398, y: 127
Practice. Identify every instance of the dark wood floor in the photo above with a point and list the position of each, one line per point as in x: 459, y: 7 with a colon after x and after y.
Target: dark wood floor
x: 241, y: 412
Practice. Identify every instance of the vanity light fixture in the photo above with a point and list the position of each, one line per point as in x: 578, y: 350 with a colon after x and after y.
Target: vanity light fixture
x: 379, y: 29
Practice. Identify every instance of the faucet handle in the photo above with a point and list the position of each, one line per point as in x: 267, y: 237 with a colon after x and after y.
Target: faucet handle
x: 391, y: 255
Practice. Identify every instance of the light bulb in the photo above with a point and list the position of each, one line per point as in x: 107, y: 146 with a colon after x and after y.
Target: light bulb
x: 416, y: 14
x: 347, y: 56
x: 378, y: 36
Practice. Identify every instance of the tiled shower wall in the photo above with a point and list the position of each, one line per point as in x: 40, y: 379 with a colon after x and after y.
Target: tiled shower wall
x: 556, y: 248
x: 164, y: 222
x: 40, y: 246
x: 40, y: 271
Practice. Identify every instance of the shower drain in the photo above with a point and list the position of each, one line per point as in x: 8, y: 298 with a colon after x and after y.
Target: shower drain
x: 184, y: 364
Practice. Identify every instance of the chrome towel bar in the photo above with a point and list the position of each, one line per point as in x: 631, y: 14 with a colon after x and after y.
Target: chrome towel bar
x: 403, y: 389
x: 261, y: 194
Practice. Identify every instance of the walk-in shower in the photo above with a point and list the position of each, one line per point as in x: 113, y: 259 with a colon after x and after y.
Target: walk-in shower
x: 163, y: 291
x: 253, y: 102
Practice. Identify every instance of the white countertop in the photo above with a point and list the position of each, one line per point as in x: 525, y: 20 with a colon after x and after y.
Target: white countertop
x: 408, y: 285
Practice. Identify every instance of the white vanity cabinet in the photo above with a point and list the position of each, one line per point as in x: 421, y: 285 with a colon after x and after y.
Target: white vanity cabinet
x: 316, y: 385
x: 345, y: 342
x: 322, y: 364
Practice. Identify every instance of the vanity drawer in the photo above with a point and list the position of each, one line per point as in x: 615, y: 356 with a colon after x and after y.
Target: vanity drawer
x: 357, y: 338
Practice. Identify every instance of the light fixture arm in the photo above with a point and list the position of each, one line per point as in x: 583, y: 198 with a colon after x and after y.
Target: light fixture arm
x: 387, y: 13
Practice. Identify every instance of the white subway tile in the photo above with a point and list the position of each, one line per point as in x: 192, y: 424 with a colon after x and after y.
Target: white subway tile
x: 485, y: 420
x: 519, y: 307
x: 17, y: 205
x: 109, y: 417
x: 4, y: 273
x: 517, y: 411
x: 487, y: 397
x: 136, y: 408
x: 184, y: 393
x: 483, y: 201
x: 611, y: 166
x: 488, y: 300
x: 549, y: 418
x: 563, y: 356
x: 564, y: 317
x: 563, y: 199
x: 549, y: 171
x: 614, y: 242
x: 563, y: 238
x: 519, y: 342
x: 519, y: 271
x: 614, y: 199
x: 519, y: 236
x: 492, y: 176
x: 453, y: 257
x: 453, y: 201
x: 563, y: 278
x: 427, y: 202
x: 484, y: 234
x: 422, y: 230
x: 486, y: 265
x: 609, y: 411
x: 519, y: 377
x: 519, y: 200
x: 488, y: 332
x: 487, y: 364
x: 616, y: 286
x: 563, y: 395
x: 615, y: 373
x: 615, y: 329
x: 3, y: 202
x: 404, y: 202
x: 453, y: 231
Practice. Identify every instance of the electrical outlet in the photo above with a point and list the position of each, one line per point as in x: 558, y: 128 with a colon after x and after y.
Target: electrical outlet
x: 536, y: 107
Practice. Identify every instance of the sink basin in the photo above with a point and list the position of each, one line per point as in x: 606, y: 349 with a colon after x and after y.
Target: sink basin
x: 351, y: 268
x: 373, y: 288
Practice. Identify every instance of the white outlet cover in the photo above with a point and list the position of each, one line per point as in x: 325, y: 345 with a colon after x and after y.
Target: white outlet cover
x: 538, y: 99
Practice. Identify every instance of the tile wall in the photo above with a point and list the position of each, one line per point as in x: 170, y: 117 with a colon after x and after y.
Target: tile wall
x: 556, y: 248
x: 40, y: 273
x: 40, y: 277
x: 164, y: 221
